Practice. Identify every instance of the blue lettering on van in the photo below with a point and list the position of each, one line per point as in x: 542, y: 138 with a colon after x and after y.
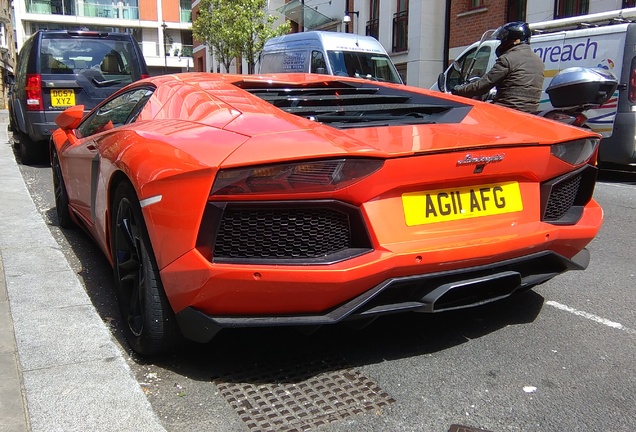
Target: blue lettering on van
x: 567, y: 52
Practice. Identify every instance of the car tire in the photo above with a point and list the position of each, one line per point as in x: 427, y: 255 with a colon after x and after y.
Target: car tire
x: 29, y: 150
x: 59, y: 191
x: 148, y: 320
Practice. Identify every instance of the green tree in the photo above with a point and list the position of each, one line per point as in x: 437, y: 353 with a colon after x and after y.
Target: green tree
x: 236, y: 28
x: 255, y: 26
x: 214, y: 26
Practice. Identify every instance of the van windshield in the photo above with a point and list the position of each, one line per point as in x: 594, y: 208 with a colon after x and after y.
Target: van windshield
x: 371, y: 66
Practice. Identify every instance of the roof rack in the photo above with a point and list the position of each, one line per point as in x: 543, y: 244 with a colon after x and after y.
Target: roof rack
x: 585, y: 21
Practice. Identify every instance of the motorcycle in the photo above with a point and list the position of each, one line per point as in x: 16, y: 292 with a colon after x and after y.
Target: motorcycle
x: 572, y: 92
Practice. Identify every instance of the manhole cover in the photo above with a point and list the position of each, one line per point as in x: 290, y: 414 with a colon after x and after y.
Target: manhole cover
x: 461, y: 428
x: 301, y: 395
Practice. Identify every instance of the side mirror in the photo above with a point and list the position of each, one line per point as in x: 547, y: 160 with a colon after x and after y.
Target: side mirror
x: 321, y: 70
x: 70, y: 118
x: 441, y: 82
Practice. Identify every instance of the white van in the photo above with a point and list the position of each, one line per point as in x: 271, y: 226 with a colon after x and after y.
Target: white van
x: 604, y: 40
x: 331, y: 53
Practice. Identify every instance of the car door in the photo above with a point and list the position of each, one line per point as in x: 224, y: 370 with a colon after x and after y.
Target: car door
x: 81, y: 165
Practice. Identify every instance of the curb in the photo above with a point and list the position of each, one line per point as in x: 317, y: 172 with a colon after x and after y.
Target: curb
x: 74, y: 375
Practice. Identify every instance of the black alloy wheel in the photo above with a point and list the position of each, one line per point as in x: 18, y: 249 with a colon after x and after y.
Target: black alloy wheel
x: 148, y: 319
x: 59, y: 191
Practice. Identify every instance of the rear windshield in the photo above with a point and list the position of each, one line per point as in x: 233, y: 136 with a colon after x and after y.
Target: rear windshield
x: 112, y: 59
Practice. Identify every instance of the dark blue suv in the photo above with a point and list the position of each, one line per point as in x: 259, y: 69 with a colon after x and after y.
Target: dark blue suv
x: 60, y: 68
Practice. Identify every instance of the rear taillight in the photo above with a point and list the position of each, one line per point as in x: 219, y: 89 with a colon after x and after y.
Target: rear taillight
x: 580, y: 120
x: 286, y: 178
x: 34, y: 92
x: 632, y: 85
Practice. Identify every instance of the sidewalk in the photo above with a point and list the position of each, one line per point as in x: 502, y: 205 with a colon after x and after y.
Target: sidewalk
x: 60, y: 369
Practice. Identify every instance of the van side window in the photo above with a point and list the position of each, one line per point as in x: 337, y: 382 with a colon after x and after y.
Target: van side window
x: 285, y: 61
x: 318, y: 64
x: 467, y: 68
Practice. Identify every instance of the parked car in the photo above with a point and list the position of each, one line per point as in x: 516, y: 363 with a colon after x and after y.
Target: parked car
x: 227, y: 201
x: 57, y: 69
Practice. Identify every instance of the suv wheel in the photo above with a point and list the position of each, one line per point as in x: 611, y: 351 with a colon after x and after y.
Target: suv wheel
x: 29, y: 153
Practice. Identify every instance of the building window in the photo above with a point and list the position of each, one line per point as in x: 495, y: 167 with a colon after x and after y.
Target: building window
x: 185, y: 11
x: 3, y: 38
x: 516, y: 10
x: 401, y: 26
x: 569, y: 8
x: 373, y: 25
x: 474, y: 4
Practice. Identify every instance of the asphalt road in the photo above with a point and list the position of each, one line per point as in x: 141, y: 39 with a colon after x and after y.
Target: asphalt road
x: 560, y: 357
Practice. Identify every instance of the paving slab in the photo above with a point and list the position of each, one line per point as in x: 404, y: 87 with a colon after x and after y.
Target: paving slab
x: 60, y: 368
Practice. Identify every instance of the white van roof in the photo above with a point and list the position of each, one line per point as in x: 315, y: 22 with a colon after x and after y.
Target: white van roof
x: 332, y: 41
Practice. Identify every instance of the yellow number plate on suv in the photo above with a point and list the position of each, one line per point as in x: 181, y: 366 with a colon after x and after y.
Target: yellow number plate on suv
x: 461, y: 203
x: 62, y: 97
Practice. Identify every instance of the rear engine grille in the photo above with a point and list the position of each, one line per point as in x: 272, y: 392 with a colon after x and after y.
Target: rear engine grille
x: 282, y: 233
x: 562, y: 198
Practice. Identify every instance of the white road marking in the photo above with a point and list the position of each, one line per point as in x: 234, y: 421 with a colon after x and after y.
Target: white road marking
x: 591, y: 317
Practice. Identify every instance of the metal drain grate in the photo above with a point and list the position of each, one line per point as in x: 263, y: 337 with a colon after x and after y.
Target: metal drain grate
x: 300, y: 396
x: 461, y: 428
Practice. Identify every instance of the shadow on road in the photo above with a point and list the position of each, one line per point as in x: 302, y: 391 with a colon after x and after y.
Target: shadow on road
x: 617, y: 177
x: 390, y: 337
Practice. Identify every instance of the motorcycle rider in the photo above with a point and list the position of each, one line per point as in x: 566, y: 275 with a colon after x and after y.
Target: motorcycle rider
x: 517, y: 73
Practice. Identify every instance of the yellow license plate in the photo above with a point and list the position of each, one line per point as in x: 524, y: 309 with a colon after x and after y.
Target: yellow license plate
x: 62, y: 97
x: 461, y: 203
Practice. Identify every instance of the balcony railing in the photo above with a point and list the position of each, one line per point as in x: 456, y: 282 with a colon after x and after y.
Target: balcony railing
x: 373, y: 28
x: 152, y: 49
x: 400, y: 31
x: 105, y: 11
x: 87, y: 9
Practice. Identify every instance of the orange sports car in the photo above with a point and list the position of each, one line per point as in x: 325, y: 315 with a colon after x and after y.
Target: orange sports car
x: 228, y: 201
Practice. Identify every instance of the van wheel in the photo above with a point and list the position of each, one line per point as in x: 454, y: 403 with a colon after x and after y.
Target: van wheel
x: 29, y: 150
x: 148, y: 320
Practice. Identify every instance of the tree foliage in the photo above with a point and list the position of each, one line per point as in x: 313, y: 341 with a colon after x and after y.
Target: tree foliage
x: 236, y: 28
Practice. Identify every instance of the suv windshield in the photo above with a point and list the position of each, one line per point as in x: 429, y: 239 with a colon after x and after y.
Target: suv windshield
x: 363, y: 65
x: 106, y: 61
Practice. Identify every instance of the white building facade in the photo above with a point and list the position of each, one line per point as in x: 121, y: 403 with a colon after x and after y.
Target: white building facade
x: 163, y: 28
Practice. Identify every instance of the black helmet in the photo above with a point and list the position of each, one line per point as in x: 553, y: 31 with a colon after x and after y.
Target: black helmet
x: 509, y: 33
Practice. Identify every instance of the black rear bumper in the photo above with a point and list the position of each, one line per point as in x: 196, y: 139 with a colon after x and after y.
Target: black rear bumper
x: 429, y: 293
